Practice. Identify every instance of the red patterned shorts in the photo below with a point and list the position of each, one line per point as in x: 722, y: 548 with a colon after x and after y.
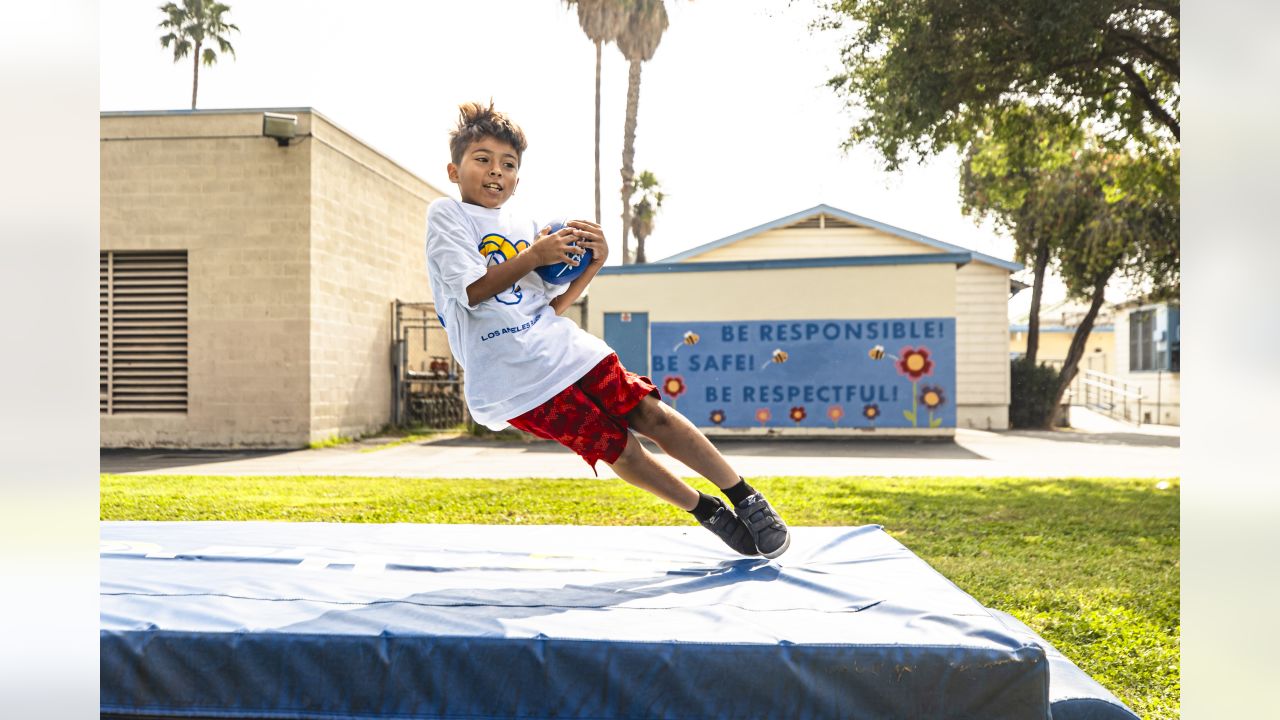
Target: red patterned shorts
x: 589, y: 416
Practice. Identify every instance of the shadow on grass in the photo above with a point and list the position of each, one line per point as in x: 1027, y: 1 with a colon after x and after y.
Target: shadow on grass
x: 127, y: 460
x: 938, y: 449
x: 1104, y: 438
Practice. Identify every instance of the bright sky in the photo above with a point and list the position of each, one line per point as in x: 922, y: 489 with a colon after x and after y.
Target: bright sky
x: 735, y: 117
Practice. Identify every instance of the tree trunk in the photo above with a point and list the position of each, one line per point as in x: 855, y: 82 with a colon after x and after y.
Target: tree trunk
x: 1037, y: 290
x: 598, y: 46
x: 640, y: 248
x: 195, y: 77
x: 1078, y: 342
x: 629, y: 152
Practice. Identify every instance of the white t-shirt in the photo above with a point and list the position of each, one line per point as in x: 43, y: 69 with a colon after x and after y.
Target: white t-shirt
x: 517, y: 353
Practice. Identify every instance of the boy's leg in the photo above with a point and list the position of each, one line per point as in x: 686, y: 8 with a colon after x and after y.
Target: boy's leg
x: 638, y: 467
x: 580, y: 423
x: 681, y: 440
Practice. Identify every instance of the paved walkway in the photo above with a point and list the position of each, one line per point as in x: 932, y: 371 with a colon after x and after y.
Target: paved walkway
x: 1097, y: 447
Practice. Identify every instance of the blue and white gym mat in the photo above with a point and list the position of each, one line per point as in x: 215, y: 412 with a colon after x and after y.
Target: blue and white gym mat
x: 333, y: 621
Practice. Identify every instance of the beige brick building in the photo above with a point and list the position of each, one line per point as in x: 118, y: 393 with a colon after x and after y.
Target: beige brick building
x: 247, y: 284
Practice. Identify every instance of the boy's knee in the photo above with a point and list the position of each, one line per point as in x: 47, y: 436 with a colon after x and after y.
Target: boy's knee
x: 649, y: 415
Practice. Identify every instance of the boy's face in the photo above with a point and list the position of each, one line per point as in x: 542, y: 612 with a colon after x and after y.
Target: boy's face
x: 488, y: 173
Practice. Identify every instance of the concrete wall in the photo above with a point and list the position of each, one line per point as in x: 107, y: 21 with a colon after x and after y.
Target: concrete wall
x: 368, y: 225
x: 210, y: 184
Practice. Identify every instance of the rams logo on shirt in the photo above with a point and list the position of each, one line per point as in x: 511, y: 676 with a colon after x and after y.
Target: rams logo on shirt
x: 496, y: 249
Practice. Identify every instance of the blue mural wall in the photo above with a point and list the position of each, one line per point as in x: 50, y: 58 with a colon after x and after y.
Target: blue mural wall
x: 887, y: 373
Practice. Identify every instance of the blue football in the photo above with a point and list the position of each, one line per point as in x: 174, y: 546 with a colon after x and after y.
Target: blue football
x: 560, y: 273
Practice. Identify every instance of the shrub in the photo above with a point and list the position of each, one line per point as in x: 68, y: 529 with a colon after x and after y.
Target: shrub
x: 1032, y: 391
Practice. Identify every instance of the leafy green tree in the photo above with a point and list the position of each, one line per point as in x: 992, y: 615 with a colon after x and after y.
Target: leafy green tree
x: 190, y: 27
x: 1020, y: 87
x: 1005, y: 176
x: 925, y: 74
x: 645, y: 210
x: 601, y: 20
x: 1133, y: 232
x: 638, y: 39
x: 1095, y: 215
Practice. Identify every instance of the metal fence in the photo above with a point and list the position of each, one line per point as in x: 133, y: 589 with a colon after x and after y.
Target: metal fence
x: 426, y: 386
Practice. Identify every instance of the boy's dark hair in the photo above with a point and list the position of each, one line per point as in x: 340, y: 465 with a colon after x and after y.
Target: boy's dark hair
x: 475, y: 121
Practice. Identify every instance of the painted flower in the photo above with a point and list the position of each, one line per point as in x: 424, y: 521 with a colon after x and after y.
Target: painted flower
x: 835, y: 412
x: 931, y: 396
x: 763, y: 415
x: 717, y: 416
x: 871, y: 411
x: 798, y: 414
x: 915, y: 363
x: 673, y: 386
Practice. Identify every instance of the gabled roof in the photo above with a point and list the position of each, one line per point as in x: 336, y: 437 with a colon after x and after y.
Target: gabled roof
x: 847, y: 217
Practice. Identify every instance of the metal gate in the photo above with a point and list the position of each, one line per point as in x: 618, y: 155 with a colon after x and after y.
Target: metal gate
x: 426, y: 385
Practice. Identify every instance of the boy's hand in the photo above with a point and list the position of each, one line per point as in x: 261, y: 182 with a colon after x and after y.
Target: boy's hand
x: 549, y: 248
x: 590, y: 237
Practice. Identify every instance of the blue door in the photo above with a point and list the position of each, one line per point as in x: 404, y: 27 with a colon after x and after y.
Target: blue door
x: 628, y: 334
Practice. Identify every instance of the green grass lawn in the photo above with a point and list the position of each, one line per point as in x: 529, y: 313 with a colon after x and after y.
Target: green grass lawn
x: 1091, y: 565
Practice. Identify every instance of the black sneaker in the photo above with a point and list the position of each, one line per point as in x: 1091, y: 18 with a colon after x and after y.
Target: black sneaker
x: 766, y: 527
x: 730, y: 529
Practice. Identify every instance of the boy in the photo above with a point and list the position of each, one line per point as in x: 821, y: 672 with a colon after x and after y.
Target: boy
x: 528, y: 367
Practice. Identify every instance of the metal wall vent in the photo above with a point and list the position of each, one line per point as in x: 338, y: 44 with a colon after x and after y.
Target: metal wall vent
x: 142, y: 332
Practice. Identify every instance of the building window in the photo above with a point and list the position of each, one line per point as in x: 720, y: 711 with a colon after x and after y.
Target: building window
x: 1154, y: 339
x: 142, y: 361
x: 1142, y: 346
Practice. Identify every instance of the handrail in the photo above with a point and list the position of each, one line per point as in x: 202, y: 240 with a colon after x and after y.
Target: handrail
x: 1100, y: 392
x: 1122, y: 389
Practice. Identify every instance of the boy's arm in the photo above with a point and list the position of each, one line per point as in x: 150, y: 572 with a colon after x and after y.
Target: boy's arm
x: 590, y: 237
x: 546, y: 249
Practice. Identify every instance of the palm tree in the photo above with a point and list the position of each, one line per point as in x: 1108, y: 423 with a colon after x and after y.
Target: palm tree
x: 646, y: 20
x: 600, y: 20
x: 646, y: 210
x: 192, y: 25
